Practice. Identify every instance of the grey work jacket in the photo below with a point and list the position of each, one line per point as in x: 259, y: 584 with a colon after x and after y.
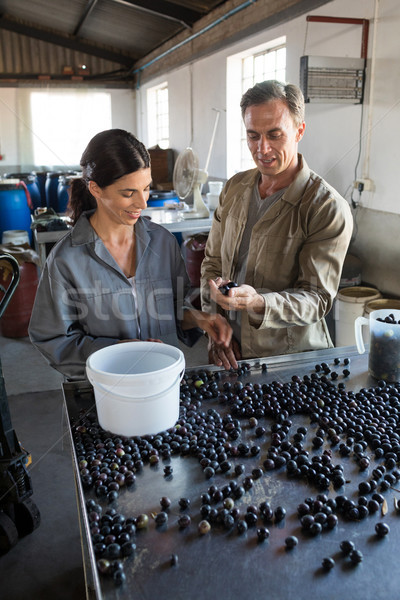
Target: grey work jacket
x: 84, y: 301
x: 295, y: 260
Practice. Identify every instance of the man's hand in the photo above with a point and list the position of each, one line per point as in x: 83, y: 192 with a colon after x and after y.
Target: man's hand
x: 224, y: 356
x: 243, y: 297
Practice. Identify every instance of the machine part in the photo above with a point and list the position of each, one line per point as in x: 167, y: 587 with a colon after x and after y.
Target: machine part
x: 27, y: 517
x: 18, y: 514
x: 8, y: 533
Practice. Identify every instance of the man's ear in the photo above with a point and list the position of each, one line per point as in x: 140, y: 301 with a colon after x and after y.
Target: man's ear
x: 300, y: 131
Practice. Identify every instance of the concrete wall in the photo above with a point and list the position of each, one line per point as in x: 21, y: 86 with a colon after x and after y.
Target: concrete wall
x: 332, y: 141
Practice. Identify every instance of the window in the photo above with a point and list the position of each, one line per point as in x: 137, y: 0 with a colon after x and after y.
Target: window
x: 158, y: 116
x: 243, y: 71
x: 63, y: 122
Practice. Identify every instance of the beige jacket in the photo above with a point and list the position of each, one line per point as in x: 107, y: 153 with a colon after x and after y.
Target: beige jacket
x: 295, y: 260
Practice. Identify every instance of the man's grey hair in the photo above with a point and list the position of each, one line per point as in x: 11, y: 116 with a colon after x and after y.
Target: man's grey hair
x: 275, y: 90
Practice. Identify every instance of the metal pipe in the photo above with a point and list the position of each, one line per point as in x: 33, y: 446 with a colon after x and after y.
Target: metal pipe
x: 195, y: 35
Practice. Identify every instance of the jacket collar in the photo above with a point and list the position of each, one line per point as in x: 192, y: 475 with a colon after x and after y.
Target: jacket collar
x: 294, y: 191
x: 84, y: 234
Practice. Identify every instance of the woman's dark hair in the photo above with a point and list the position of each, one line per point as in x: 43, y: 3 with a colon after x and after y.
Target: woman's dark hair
x: 275, y: 90
x: 109, y: 155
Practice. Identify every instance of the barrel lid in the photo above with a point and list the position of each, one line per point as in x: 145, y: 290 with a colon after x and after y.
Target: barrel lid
x: 53, y: 174
x: 9, y: 185
x: 162, y: 195
x: 18, y: 175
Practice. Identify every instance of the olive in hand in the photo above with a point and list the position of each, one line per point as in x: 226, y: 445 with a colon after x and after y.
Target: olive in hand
x: 224, y: 289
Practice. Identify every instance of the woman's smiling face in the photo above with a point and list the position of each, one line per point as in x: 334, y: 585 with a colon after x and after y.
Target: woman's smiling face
x: 123, y: 201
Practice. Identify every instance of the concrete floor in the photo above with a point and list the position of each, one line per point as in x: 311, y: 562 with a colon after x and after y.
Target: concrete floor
x: 47, y: 564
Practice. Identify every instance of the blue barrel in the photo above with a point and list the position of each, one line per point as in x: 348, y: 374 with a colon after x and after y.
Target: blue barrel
x: 14, y: 210
x: 64, y: 185
x: 41, y: 177
x: 51, y: 189
x: 161, y: 198
x: 31, y: 183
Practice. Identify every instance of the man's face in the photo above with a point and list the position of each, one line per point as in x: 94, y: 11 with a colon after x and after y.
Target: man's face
x: 272, y: 137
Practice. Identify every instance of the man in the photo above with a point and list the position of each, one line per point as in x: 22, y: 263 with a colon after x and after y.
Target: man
x: 281, y: 232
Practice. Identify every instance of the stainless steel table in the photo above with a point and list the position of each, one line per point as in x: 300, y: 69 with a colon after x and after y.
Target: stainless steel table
x: 174, y: 220
x: 225, y: 565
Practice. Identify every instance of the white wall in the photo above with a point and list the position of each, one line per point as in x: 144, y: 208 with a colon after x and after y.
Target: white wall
x: 331, y: 143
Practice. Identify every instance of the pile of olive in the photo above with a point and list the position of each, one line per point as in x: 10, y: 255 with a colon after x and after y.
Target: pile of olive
x: 348, y: 423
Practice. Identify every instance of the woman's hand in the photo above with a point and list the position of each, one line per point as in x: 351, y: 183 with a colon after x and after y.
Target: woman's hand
x: 243, y: 297
x: 216, y: 327
x: 222, y: 355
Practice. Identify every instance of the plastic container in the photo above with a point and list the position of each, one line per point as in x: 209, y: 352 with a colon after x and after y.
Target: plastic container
x: 160, y: 198
x: 31, y: 183
x: 63, y: 191
x: 17, y: 237
x: 15, y: 320
x: 215, y: 187
x: 386, y: 303
x: 384, y: 348
x: 14, y: 209
x: 349, y: 305
x: 136, y: 386
x: 212, y: 200
x: 41, y: 177
x: 51, y: 187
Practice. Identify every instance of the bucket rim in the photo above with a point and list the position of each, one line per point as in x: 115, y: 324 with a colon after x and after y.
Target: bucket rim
x: 358, y: 293
x: 136, y: 347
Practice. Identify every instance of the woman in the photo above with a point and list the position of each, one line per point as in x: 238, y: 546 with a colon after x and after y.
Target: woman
x: 115, y: 276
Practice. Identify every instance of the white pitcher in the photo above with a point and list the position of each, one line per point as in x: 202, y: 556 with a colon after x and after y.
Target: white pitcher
x: 384, y: 347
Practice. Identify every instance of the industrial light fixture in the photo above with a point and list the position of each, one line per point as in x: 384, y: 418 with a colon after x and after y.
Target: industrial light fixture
x: 331, y: 79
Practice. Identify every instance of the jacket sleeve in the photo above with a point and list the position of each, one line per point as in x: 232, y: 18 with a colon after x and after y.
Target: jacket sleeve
x: 211, y: 266
x: 55, y: 329
x: 320, y: 263
x: 183, y: 292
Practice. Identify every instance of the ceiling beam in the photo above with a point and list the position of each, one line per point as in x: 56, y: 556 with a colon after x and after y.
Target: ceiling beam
x: 67, y: 41
x: 90, y: 6
x: 227, y: 24
x: 166, y: 10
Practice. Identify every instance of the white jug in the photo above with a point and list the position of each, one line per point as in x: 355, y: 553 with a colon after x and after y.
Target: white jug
x: 384, y: 348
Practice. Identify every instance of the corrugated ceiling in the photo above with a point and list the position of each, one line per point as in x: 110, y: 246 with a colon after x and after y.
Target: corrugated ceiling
x: 50, y: 39
x: 40, y: 37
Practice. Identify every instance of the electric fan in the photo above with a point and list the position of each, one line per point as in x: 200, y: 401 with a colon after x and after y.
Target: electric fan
x: 187, y: 178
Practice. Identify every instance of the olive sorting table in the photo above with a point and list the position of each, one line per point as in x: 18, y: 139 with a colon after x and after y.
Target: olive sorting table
x: 223, y: 564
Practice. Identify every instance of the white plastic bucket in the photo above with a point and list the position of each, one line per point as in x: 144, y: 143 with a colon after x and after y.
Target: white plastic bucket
x: 136, y: 386
x: 349, y: 305
x: 17, y: 237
